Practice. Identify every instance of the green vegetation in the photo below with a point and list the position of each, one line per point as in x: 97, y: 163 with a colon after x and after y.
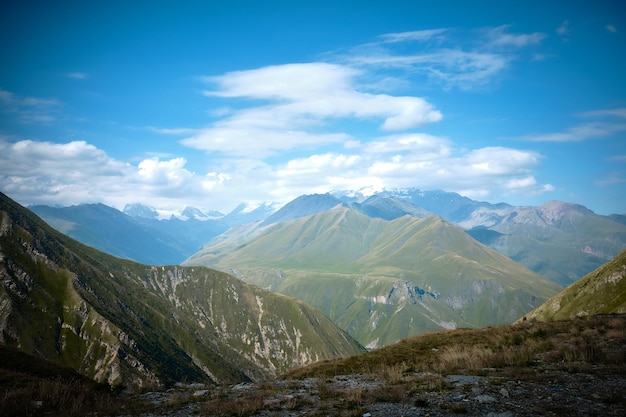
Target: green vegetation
x: 124, y: 323
x: 380, y: 280
x: 602, y: 291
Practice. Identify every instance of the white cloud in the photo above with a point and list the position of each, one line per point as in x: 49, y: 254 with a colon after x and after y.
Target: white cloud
x: 175, y: 131
x: 275, y: 133
x: 251, y: 141
x: 421, y: 145
x: 578, y: 133
x: 611, y: 28
x: 77, y: 75
x: 586, y: 131
x: 435, y: 164
x: 301, y: 99
x: 419, y: 35
x: 563, y: 30
x: 77, y: 172
x: 499, y: 38
x: 447, y: 57
x: 617, y: 112
x: 612, y: 178
x: 29, y: 109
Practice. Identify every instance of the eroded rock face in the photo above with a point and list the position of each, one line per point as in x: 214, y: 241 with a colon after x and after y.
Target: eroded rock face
x: 125, y: 323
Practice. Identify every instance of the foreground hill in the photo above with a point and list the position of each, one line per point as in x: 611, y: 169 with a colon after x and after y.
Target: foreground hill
x: 560, y: 368
x: 382, y: 280
x: 602, y: 291
x: 121, y: 322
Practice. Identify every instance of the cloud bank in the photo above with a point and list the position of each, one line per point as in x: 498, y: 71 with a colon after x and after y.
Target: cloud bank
x: 280, y: 131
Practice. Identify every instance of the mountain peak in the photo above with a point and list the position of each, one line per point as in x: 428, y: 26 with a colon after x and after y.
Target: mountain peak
x: 303, y: 206
x: 197, y: 214
x: 140, y: 210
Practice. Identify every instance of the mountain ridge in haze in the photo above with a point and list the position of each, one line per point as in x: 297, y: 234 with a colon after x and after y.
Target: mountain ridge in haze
x: 562, y: 250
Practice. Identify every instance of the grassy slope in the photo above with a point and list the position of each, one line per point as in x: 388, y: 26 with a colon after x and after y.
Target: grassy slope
x: 592, y: 340
x: 602, y: 291
x: 347, y: 265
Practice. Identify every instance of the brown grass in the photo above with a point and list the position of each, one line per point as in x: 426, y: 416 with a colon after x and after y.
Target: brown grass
x: 31, y: 387
x: 599, y: 340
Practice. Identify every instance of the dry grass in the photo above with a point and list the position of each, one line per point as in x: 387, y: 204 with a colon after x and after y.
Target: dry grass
x: 31, y: 387
x: 404, y: 373
x: 598, y: 340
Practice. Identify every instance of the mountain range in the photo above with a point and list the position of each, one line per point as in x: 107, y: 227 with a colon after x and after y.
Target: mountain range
x: 125, y: 323
x: 380, y: 275
x: 381, y: 280
x: 141, y: 233
x: 558, y: 240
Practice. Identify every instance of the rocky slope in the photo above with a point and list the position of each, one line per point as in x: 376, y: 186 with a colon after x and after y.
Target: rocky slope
x: 121, y: 322
x: 573, y: 368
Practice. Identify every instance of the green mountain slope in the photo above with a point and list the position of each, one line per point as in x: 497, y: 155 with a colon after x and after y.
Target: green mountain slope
x: 120, y: 322
x: 602, y: 291
x: 383, y: 280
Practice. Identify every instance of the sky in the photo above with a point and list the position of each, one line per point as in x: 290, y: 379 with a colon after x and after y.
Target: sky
x: 213, y: 103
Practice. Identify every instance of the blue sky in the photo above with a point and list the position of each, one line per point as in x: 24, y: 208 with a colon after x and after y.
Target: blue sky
x: 214, y: 103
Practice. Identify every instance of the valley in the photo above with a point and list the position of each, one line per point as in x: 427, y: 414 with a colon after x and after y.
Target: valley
x: 132, y: 325
x: 381, y: 280
x: 294, y: 298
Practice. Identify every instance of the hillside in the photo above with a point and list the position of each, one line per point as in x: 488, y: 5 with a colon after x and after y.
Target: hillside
x: 382, y: 280
x: 560, y: 368
x: 121, y: 322
x: 602, y: 291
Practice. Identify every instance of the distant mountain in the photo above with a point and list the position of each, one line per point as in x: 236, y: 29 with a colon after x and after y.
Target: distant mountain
x: 247, y: 213
x: 561, y: 241
x: 376, y: 206
x: 142, y: 234
x: 620, y: 218
x: 301, y: 207
x: 111, y: 231
x: 450, y: 206
x: 382, y: 280
x: 121, y: 322
x: 602, y: 291
x: 141, y: 211
x: 389, y: 208
x: 196, y: 213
